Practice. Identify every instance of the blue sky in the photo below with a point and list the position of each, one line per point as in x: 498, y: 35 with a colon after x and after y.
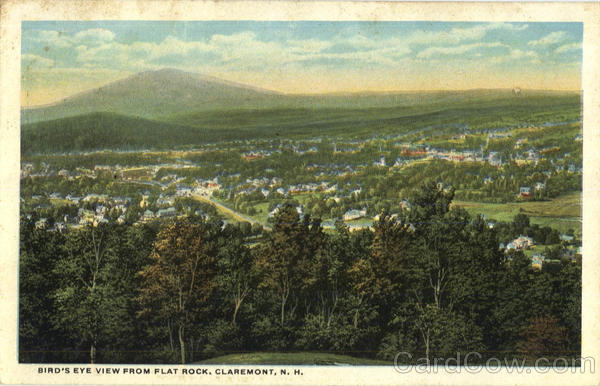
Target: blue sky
x: 60, y: 58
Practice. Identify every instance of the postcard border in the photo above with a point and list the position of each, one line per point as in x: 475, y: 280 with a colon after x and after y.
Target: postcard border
x: 12, y: 12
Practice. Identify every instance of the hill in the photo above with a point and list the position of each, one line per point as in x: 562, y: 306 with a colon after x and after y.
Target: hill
x: 165, y: 93
x: 457, y: 108
x: 102, y: 130
x: 96, y: 131
x: 152, y: 94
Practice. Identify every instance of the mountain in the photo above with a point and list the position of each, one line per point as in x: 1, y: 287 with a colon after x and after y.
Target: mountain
x: 111, y: 131
x: 154, y: 94
x: 168, y: 93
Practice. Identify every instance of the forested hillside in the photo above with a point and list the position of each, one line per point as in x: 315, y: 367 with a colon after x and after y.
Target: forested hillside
x: 99, y: 131
x: 104, y: 131
x: 430, y: 281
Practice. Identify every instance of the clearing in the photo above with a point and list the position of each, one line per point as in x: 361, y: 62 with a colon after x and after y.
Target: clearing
x: 296, y: 358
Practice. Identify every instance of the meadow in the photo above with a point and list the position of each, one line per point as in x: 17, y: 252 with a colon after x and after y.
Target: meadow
x: 562, y: 213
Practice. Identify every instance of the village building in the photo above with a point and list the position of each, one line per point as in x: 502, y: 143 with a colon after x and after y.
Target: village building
x: 147, y: 215
x: 165, y: 213
x: 537, y: 261
x: 520, y: 243
x: 380, y: 162
x: 59, y: 227
x: 566, y: 238
x: 41, y: 223
x: 495, y: 158
x: 275, y: 210
x: 354, y: 214
x: 525, y: 191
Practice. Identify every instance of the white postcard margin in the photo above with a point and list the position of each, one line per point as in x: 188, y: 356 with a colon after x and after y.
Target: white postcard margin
x: 12, y: 12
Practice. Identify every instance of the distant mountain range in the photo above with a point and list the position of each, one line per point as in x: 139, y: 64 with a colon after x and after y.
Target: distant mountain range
x: 162, y: 94
x: 168, y: 109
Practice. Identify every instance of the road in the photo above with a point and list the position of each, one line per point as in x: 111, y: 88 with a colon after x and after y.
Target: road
x: 236, y: 215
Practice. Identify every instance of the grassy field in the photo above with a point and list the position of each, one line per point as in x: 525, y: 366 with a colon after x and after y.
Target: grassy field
x: 562, y: 213
x: 262, y: 210
x: 227, y: 215
x: 536, y: 249
x: 300, y: 358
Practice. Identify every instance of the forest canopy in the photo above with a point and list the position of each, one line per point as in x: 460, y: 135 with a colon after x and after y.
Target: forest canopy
x: 430, y: 280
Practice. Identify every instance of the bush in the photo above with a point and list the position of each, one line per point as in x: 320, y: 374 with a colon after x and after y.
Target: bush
x: 220, y: 338
x: 269, y: 335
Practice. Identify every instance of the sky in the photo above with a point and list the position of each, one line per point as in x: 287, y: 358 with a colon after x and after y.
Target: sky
x: 61, y: 58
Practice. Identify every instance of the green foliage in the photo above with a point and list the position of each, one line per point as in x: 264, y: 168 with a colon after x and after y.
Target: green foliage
x: 98, y: 131
x: 430, y: 281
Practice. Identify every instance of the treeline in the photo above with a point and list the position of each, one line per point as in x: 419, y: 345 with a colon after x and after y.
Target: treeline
x: 431, y: 282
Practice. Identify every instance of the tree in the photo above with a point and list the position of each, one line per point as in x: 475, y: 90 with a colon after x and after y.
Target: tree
x: 437, y: 247
x: 444, y: 332
x: 235, y: 269
x: 87, y: 301
x: 543, y: 336
x: 513, y: 304
x: 132, y: 249
x: 380, y: 272
x: 181, y: 277
x: 520, y: 222
x: 39, y: 251
x: 441, y: 265
x: 285, y: 258
x: 569, y: 299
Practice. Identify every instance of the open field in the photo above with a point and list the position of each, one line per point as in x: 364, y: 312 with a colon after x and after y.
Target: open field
x: 229, y: 213
x: 562, y: 213
x: 299, y: 358
x: 536, y: 249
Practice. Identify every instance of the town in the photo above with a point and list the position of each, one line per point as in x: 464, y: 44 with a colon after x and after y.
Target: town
x: 331, y: 178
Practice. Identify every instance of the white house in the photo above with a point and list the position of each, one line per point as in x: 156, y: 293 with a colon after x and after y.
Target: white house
x: 354, y: 214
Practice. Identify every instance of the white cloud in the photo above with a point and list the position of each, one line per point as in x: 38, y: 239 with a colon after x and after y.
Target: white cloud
x: 456, y: 50
x: 568, y: 47
x: 245, y: 51
x: 518, y: 55
x: 30, y: 60
x: 236, y: 51
x: 551, y: 38
x: 60, y: 39
x: 357, y: 41
x: 458, y: 35
x: 508, y: 26
x: 53, y: 38
x: 309, y: 45
x: 135, y: 54
x: 95, y: 34
x: 387, y: 56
